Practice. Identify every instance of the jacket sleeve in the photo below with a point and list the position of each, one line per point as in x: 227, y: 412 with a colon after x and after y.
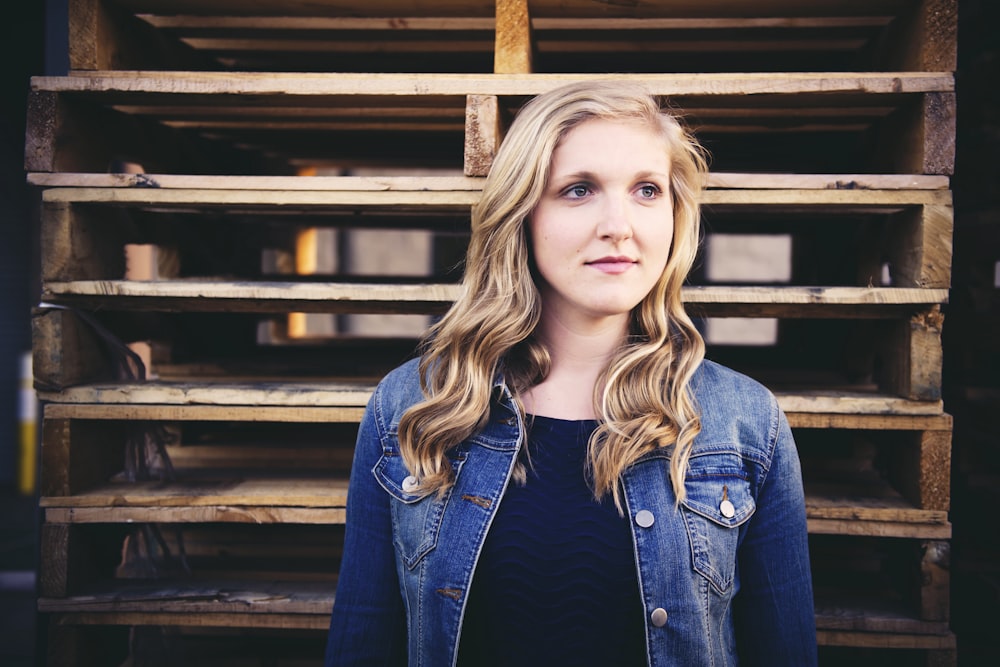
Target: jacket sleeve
x: 774, y: 615
x: 368, y: 624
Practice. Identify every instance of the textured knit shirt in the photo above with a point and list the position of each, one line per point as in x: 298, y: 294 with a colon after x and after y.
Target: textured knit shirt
x: 556, y: 582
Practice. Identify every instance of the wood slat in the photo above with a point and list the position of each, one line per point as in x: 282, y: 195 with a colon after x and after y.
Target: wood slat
x: 716, y: 181
x: 298, y: 414
x: 292, y: 87
x: 874, y: 510
x: 197, y: 491
x: 333, y: 395
x: 267, y: 296
x: 441, y: 191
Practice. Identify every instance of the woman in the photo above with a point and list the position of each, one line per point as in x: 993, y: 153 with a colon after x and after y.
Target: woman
x: 561, y: 479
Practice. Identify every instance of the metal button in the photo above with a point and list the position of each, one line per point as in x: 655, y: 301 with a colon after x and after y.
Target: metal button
x: 659, y: 617
x: 409, y: 483
x: 644, y: 518
x: 727, y: 509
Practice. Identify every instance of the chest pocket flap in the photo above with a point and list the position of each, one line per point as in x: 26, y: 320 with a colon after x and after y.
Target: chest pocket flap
x: 718, y: 502
x: 416, y: 517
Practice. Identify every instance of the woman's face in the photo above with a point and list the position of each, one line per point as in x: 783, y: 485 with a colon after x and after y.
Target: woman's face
x: 601, y: 233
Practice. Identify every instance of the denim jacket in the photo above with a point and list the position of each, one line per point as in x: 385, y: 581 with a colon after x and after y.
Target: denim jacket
x: 724, y: 577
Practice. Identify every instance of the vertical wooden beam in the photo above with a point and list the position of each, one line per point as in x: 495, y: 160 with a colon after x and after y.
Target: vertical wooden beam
x: 66, y: 351
x: 920, y: 468
x: 920, y: 247
x: 482, y: 133
x: 923, y: 39
x: 103, y: 36
x: 918, y: 138
x: 76, y: 245
x: 74, y: 556
x: 935, y: 576
x: 77, y: 454
x: 513, y: 50
x: 912, y: 356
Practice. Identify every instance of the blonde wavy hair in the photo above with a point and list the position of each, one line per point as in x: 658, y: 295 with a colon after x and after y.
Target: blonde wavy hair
x: 643, y: 399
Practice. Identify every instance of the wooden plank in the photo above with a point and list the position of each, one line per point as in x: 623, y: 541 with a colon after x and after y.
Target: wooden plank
x: 291, y: 87
x: 318, y: 394
x: 897, y: 529
x: 273, y: 394
x: 268, y: 296
x: 430, y: 191
x: 184, y: 618
x: 546, y: 8
x: 245, y: 598
x: 299, y: 414
x: 870, y: 422
x: 854, y: 403
x: 886, y: 640
x: 873, y: 617
x: 716, y: 181
x: 514, y: 46
x: 195, y: 412
x: 206, y: 491
x: 213, y: 514
x: 482, y: 133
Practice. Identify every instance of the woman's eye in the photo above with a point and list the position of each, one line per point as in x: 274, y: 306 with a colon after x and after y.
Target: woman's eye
x: 577, y: 191
x: 648, y: 191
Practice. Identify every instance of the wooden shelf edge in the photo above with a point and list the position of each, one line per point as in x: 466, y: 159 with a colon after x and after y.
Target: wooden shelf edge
x: 722, y: 181
x: 288, y: 84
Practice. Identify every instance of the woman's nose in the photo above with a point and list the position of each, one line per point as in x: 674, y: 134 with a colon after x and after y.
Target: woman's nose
x: 616, y: 220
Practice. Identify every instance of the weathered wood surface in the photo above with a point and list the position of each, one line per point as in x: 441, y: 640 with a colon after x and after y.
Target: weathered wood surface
x: 295, y: 414
x: 483, y: 133
x: 319, y: 394
x: 872, y: 509
x: 446, y: 191
x: 300, y: 86
x: 206, y: 491
x: 716, y: 181
x: 269, y: 296
x: 513, y: 53
x: 888, y: 35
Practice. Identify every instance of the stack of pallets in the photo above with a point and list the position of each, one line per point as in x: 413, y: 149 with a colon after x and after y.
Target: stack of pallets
x: 194, y: 501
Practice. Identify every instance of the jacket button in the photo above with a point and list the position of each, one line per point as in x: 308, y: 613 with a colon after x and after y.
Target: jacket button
x: 409, y: 483
x: 644, y: 518
x: 658, y: 617
x: 727, y: 509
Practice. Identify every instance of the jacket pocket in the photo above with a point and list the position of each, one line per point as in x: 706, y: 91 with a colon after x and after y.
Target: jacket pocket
x: 416, y: 517
x: 718, y: 502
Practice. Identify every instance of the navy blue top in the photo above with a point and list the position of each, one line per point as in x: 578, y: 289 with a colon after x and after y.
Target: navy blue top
x: 556, y: 583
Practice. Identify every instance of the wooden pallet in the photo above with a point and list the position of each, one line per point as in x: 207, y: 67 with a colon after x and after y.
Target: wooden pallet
x: 273, y: 121
x: 222, y: 103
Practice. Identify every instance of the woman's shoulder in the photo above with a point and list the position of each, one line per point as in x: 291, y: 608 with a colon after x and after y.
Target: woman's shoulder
x: 399, y: 388
x: 715, y: 381
x: 733, y: 407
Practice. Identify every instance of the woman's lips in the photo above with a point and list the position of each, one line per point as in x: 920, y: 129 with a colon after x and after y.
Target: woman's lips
x: 612, y: 264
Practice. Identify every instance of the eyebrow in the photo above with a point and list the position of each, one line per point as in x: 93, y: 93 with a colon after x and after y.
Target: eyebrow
x: 591, y: 176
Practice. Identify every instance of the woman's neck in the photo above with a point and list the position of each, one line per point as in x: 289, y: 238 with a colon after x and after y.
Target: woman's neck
x: 579, y: 356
